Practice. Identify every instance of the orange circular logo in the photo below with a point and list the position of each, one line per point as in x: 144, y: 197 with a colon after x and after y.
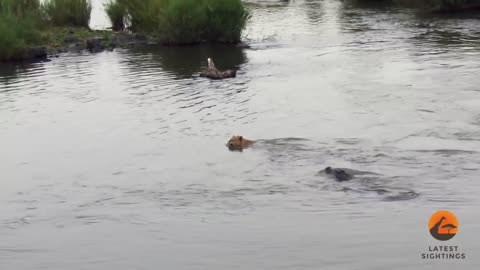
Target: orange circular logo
x: 443, y: 225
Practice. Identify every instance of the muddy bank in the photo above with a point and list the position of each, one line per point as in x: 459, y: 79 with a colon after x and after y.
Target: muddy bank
x: 73, y: 42
x: 82, y: 40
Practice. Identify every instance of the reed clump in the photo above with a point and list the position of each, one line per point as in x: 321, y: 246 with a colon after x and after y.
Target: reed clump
x: 27, y: 26
x: 19, y: 8
x: 67, y: 12
x: 117, y: 14
x: 20, y: 27
x: 181, y: 21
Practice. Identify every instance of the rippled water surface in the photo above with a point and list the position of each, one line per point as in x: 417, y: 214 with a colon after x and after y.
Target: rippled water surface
x: 117, y: 160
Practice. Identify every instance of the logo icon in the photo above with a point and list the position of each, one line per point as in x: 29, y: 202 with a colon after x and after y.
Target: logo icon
x: 443, y: 225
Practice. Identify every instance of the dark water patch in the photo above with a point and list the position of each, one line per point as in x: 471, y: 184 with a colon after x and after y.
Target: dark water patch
x: 467, y: 136
x: 96, y: 202
x: 383, y: 193
x: 126, y: 203
x: 447, y: 152
x: 381, y: 155
x: 315, y: 11
x: 136, y: 191
x: 15, y: 223
x: 257, y: 45
x: 284, y: 141
x: 254, y: 180
x: 9, y: 72
x: 446, y: 40
x: 284, y: 150
x: 186, y: 61
x: 256, y: 191
x: 353, y: 172
x: 94, y: 219
x: 402, y: 196
x: 241, y: 191
x: 20, y: 250
x: 13, y: 76
x: 267, y: 5
x: 448, y: 200
x: 423, y: 110
x: 349, y: 141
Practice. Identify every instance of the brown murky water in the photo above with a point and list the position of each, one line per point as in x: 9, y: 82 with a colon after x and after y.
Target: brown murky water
x: 118, y: 161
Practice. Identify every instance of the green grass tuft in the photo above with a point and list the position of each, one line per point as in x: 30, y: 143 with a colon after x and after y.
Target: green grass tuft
x: 16, y: 35
x: 20, y: 27
x: 117, y: 14
x: 226, y: 20
x: 68, y: 12
x: 19, y: 8
x: 182, y: 21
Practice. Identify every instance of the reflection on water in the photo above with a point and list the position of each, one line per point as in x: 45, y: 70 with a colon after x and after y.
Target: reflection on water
x: 185, y: 62
x: 101, y: 150
x: 10, y: 71
x: 446, y: 40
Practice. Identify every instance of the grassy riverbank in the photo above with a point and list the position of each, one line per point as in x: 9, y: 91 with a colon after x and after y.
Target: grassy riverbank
x: 29, y: 28
x: 67, y: 12
x: 177, y: 22
x: 20, y: 25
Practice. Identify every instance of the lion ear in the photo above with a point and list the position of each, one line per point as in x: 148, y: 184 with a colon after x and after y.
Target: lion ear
x: 240, y: 138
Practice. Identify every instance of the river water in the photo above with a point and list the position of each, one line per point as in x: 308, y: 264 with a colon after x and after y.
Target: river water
x: 117, y: 160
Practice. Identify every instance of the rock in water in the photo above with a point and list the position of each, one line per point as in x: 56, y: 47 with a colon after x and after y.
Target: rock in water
x: 37, y: 53
x: 95, y: 45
